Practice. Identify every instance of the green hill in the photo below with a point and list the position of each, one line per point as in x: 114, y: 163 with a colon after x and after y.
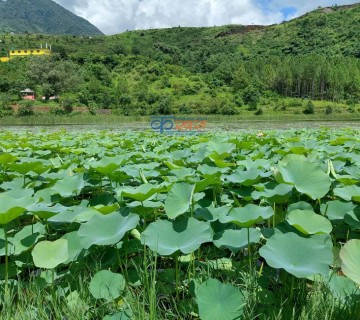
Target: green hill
x: 42, y: 16
x: 231, y: 69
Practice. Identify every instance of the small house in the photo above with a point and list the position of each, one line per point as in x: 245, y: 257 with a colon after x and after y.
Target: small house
x: 27, y: 94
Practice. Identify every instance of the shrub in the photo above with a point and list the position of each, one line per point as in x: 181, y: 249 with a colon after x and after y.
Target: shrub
x: 5, y: 106
x: 185, y: 109
x: 329, y: 110
x: 68, y: 104
x: 309, y: 109
x: 228, y: 110
x: 26, y: 109
x: 251, y: 97
x: 92, y: 109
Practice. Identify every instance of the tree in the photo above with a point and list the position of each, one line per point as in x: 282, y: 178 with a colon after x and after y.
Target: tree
x: 251, y: 97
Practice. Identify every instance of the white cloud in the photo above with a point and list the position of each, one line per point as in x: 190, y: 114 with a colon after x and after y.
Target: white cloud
x: 114, y: 16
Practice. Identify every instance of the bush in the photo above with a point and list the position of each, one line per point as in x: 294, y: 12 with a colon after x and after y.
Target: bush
x: 329, y: 110
x: 228, y: 110
x: 310, y: 108
x: 251, y: 97
x: 68, y: 104
x: 5, y: 106
x: 185, y: 109
x: 58, y: 111
x: 92, y: 109
x: 295, y: 103
x: 26, y: 109
x: 164, y: 106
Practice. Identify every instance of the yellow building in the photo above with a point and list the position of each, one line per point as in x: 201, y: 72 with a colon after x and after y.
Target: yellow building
x: 28, y: 52
x: 24, y: 53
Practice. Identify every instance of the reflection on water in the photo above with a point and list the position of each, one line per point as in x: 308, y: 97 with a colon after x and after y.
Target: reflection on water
x: 211, y: 126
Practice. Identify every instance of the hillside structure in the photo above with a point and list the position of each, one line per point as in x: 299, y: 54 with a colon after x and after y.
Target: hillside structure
x: 12, y: 53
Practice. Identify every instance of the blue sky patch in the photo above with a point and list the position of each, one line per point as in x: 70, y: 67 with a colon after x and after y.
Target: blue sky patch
x: 288, y: 11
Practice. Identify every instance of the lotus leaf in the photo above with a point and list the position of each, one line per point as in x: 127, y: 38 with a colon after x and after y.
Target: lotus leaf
x: 179, y: 199
x: 308, y: 222
x: 219, y: 301
x: 107, y: 285
x: 184, y: 234
x: 106, y: 229
x: 307, y: 177
x: 302, y: 257
x: 49, y: 254
x: 350, y: 257
x: 247, y: 216
x: 236, y: 239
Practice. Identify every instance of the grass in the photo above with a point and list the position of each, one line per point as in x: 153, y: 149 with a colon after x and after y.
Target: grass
x: 87, y: 119
x: 157, y: 298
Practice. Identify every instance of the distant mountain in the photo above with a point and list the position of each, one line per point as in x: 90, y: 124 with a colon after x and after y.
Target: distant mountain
x: 42, y: 16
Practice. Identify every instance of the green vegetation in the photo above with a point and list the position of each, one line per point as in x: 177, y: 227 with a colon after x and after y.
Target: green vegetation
x: 229, y: 70
x: 42, y: 16
x: 140, y: 226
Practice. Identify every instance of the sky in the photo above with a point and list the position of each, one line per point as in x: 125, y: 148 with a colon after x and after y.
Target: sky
x: 116, y: 16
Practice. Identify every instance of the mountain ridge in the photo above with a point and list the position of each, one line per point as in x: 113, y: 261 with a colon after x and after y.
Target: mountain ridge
x: 42, y: 16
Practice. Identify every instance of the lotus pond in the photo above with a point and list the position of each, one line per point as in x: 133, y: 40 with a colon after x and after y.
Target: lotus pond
x: 242, y: 225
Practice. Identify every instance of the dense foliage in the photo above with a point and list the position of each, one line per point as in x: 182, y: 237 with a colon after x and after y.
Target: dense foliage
x: 42, y: 16
x: 264, y: 225
x: 221, y: 70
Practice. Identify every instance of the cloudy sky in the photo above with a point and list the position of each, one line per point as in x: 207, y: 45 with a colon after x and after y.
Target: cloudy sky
x: 115, y: 16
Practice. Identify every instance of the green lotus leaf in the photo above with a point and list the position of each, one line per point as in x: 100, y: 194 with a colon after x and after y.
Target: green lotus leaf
x: 49, y: 254
x: 179, y: 199
x: 301, y: 205
x: 140, y: 193
x: 6, y: 158
x: 308, y: 222
x: 246, y: 178
x: 171, y: 165
x: 347, y: 180
x: 47, y: 210
x: 342, y: 287
x: 25, y: 167
x: 219, y: 160
x: 336, y: 210
x: 350, y: 257
x: 219, y: 301
x: 208, y: 181
x: 184, y: 234
x: 69, y: 185
x: 247, y: 216
x: 77, y: 214
x: 348, y: 193
x: 74, y: 245
x: 220, y: 146
x: 209, y: 170
x: 27, y: 237
x: 106, y: 229
x: 126, y: 314
x: 107, y: 285
x: 211, y: 213
x: 14, y: 203
x: 302, y: 257
x: 307, y: 177
x: 281, y: 193
x: 352, y: 218
x: 236, y: 239
x: 107, y: 165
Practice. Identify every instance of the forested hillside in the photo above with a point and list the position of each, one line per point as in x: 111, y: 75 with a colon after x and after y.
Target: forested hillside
x: 42, y: 16
x: 227, y: 70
